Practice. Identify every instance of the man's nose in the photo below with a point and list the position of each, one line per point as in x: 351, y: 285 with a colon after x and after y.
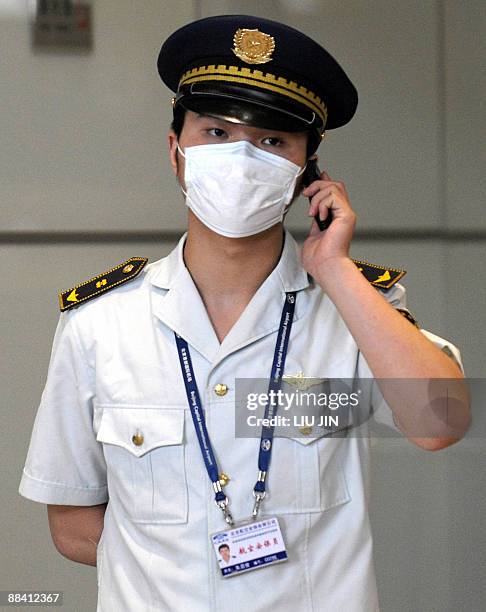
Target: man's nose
x: 243, y: 136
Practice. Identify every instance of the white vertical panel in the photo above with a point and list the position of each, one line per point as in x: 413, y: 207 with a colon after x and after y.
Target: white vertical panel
x: 84, y: 134
x: 466, y: 541
x: 465, y: 300
x: 409, y: 519
x: 465, y: 61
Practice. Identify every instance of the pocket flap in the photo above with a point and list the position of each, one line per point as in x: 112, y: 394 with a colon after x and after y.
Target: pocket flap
x: 140, y: 430
x: 324, y: 425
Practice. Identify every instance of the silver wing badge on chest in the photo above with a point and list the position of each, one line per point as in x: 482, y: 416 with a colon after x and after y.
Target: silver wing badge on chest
x: 302, y: 382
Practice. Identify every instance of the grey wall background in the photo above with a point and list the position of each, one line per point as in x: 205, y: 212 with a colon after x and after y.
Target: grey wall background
x: 86, y: 183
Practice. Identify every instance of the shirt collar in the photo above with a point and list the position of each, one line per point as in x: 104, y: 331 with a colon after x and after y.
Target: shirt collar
x: 289, y: 270
x: 181, y: 308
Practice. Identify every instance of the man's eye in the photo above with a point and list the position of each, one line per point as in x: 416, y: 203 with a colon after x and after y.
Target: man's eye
x: 272, y: 140
x: 216, y: 132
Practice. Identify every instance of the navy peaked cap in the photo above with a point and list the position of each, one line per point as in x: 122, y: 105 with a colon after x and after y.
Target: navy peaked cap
x: 246, y: 62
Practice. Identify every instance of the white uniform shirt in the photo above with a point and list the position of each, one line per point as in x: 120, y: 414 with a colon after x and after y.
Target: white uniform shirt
x: 115, y: 372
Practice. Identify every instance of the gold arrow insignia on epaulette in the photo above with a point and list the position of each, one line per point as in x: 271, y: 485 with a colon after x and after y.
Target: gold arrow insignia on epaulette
x: 379, y: 276
x: 72, y: 297
x: 383, y: 277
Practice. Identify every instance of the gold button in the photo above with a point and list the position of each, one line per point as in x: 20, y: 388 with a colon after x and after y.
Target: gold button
x: 306, y: 430
x: 127, y: 269
x: 221, y: 389
x: 137, y: 439
x: 224, y: 479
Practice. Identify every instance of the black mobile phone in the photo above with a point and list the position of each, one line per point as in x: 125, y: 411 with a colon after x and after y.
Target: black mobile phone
x: 311, y: 174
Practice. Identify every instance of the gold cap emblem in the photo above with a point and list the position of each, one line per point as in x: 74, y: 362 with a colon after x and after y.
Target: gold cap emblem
x: 253, y: 46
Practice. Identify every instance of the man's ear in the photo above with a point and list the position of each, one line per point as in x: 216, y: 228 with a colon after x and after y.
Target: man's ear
x: 172, y: 142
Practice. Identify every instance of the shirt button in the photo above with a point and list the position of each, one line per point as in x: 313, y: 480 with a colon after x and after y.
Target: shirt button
x: 306, y: 430
x: 137, y: 439
x: 221, y: 389
x: 224, y: 479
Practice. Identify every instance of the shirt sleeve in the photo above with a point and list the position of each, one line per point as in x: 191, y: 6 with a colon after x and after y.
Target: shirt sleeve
x: 65, y: 463
x: 381, y: 412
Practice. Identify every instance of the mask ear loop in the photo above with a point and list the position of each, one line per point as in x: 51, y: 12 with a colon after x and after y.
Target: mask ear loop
x: 184, y: 156
x: 302, y: 170
x: 299, y: 173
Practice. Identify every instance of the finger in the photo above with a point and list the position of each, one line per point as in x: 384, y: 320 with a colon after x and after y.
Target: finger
x: 314, y: 205
x: 314, y: 187
x: 342, y: 188
x: 322, y: 208
x: 328, y: 196
x: 331, y: 202
x: 339, y: 184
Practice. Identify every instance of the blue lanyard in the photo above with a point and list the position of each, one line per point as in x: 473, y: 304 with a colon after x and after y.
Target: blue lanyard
x: 266, y: 441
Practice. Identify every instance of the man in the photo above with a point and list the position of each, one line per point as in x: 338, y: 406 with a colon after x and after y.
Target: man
x: 226, y: 556
x: 139, y: 406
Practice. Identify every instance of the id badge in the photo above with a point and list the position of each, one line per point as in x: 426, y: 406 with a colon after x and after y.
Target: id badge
x: 249, y: 545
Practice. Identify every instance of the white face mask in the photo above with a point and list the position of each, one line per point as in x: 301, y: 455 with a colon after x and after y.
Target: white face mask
x: 237, y: 189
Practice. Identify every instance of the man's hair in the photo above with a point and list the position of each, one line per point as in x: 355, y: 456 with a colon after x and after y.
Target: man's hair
x: 178, y: 120
x: 221, y: 546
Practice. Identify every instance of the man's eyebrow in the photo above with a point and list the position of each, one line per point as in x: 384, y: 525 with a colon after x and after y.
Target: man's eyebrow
x: 211, y: 118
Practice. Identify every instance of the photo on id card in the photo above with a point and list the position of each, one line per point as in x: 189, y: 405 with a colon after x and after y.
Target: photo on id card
x: 249, y: 546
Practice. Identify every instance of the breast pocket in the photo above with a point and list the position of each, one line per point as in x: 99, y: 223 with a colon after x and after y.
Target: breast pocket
x: 144, y: 453
x: 306, y: 475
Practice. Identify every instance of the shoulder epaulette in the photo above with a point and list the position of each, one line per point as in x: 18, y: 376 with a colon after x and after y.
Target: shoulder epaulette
x: 102, y: 283
x: 381, y: 277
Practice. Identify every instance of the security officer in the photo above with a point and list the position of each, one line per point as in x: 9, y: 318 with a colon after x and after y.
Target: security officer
x: 139, y: 410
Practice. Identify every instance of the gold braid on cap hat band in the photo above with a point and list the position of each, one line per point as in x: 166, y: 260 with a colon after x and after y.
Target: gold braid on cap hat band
x: 257, y: 78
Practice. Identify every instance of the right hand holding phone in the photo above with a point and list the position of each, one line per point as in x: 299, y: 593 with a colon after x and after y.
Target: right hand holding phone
x: 328, y: 195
